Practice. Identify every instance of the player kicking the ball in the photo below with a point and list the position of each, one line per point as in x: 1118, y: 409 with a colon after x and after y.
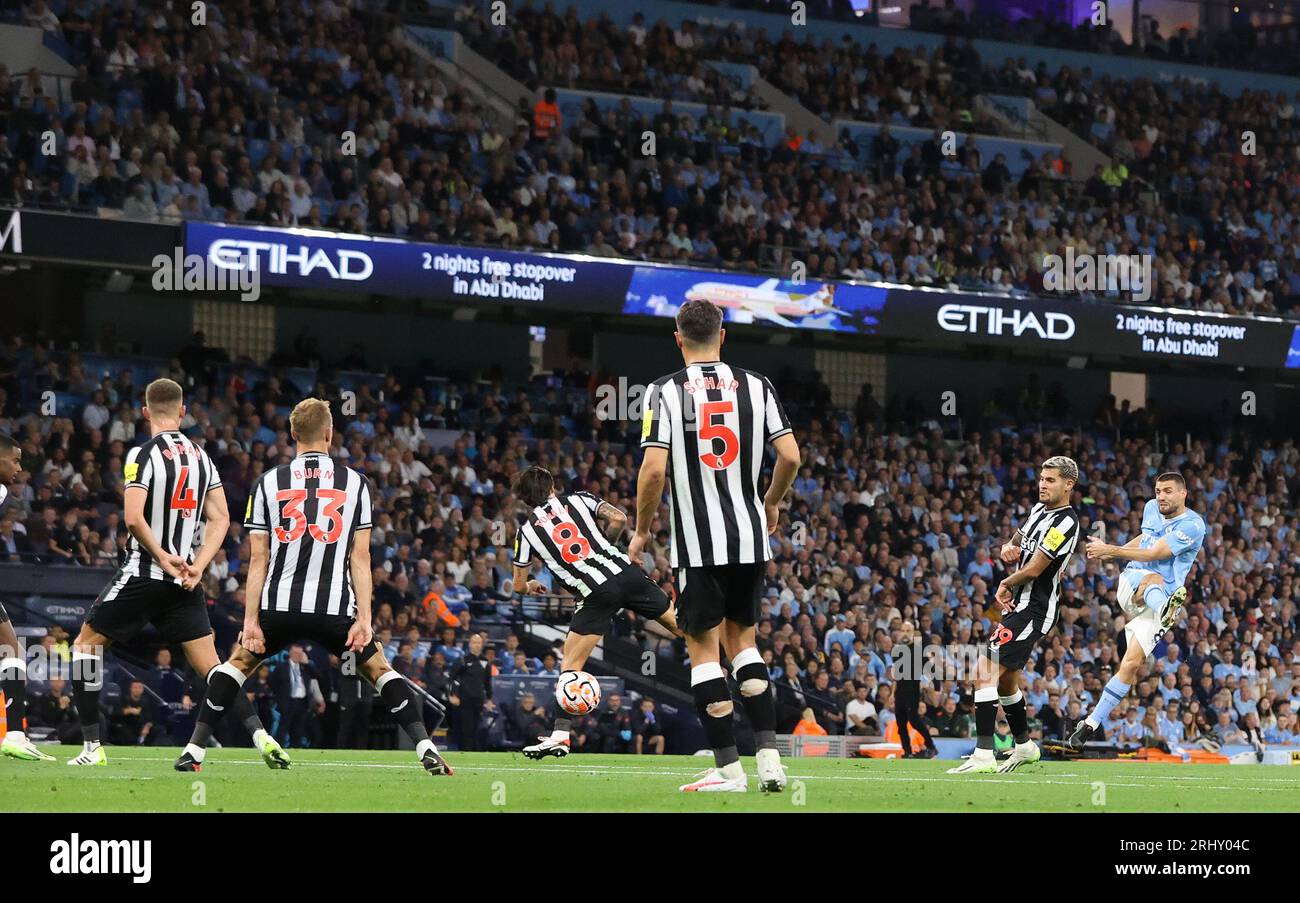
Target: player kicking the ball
x: 309, y: 578
x: 1029, y: 599
x: 574, y: 534
x: 1151, y: 590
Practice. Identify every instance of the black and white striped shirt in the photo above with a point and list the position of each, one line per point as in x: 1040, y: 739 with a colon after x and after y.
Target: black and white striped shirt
x: 1056, y: 532
x: 564, y: 534
x: 716, y: 421
x: 313, y: 508
x: 177, y: 475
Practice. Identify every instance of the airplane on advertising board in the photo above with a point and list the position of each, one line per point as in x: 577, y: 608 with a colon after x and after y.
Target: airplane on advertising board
x: 766, y: 302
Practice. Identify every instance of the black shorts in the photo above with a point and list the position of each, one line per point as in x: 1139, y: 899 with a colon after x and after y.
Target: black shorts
x: 281, y: 628
x: 1014, y: 639
x: 631, y: 590
x: 128, y: 603
x: 707, y: 595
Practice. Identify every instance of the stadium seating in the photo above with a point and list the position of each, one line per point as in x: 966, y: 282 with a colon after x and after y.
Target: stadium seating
x: 888, y: 547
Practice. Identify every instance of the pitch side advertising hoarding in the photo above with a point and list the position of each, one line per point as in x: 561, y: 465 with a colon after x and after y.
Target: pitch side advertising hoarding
x: 75, y: 240
x: 318, y: 259
x: 334, y: 261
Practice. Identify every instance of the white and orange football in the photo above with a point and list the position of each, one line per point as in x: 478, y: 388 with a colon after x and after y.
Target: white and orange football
x: 577, y: 692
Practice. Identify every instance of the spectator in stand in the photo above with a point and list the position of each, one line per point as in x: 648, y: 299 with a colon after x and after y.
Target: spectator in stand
x: 613, y: 727
x: 133, y: 719
x: 860, y: 714
x: 647, y: 732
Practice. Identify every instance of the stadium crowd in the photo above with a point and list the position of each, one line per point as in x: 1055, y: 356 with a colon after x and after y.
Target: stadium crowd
x: 244, y: 121
x: 890, y: 533
x: 1265, y: 43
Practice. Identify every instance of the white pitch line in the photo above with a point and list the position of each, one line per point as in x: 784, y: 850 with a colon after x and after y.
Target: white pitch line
x: 616, y: 770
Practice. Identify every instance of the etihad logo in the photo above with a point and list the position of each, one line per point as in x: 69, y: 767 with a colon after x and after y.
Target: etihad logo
x: 281, y: 259
x: 65, y: 609
x: 998, y: 321
x: 11, y: 237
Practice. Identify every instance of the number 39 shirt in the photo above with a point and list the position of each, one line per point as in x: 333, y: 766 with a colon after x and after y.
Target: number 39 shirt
x: 715, y: 420
x: 313, y: 509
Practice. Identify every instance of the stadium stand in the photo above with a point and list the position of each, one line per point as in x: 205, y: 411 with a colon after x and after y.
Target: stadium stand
x: 246, y: 123
x: 900, y: 518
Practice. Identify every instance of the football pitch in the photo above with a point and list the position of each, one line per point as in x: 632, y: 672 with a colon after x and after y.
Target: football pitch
x: 141, y: 779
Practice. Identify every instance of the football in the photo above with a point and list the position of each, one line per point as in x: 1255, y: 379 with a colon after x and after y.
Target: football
x: 577, y: 692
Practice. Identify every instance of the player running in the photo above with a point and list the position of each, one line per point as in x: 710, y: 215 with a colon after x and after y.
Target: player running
x: 1029, y: 599
x: 1151, y: 590
x: 309, y: 577
x: 713, y: 422
x: 13, y: 665
x: 574, y: 534
x: 175, y: 510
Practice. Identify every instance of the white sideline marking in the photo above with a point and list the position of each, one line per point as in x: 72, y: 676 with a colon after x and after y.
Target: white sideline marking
x: 580, y: 770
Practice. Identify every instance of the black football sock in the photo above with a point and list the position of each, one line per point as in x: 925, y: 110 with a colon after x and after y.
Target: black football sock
x: 712, y: 695
x: 756, y: 695
x: 87, y: 681
x: 247, y: 715
x: 13, y: 683
x: 1017, y: 720
x: 403, y: 705
x: 225, y: 685
x: 986, y: 716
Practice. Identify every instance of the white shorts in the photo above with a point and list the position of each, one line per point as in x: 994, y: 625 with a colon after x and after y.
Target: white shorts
x: 1142, y: 626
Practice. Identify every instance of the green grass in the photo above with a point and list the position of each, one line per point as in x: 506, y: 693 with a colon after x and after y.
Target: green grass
x: 142, y: 780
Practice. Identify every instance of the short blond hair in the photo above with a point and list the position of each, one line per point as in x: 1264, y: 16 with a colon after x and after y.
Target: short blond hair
x: 164, y: 396
x: 310, y: 420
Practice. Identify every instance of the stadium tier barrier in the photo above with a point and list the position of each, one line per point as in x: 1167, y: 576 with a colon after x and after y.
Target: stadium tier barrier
x: 440, y: 42
x: 771, y: 126
x: 1018, y: 151
x: 741, y: 76
x: 508, y: 689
